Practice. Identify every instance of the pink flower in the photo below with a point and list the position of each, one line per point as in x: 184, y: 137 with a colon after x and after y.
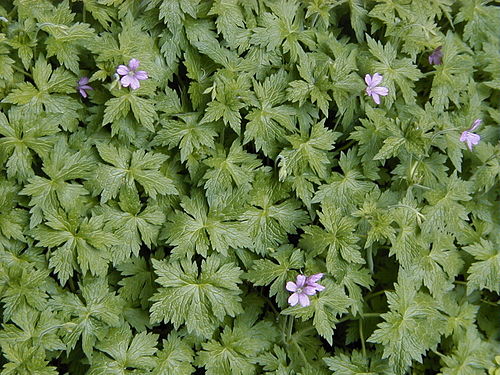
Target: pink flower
x: 312, y: 281
x: 131, y: 76
x: 82, y: 86
x: 301, y: 291
x: 470, y: 138
x: 373, y: 89
x: 436, y: 56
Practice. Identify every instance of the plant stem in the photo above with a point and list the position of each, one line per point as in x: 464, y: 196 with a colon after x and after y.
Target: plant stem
x: 301, y: 352
x: 367, y: 315
x: 17, y: 69
x: 362, y: 337
x: 290, y: 327
x: 375, y: 294
x: 369, y: 260
x: 347, y: 145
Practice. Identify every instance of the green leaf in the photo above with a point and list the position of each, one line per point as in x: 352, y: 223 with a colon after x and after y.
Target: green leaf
x: 343, y: 190
x: 13, y: 221
x: 66, y: 38
x: 228, y: 100
x: 267, y: 272
x: 480, y: 20
x: 437, y: 267
x: 137, y: 282
x: 77, y: 240
x: 90, y: 316
x: 133, y: 225
x: 337, y: 237
x: 472, y: 356
x: 198, y: 229
x: 325, y: 308
x: 118, y: 108
x: 356, y: 363
x: 270, y: 120
x: 313, y: 86
x: 25, y: 290
x: 33, y: 329
x: 271, y: 215
x: 127, y: 168
x: 308, y: 151
x: 60, y: 165
x: 23, y: 359
x: 282, y: 29
x: 124, y: 353
x: 175, y: 358
x: 400, y: 72
x: 49, y: 93
x: 24, y: 136
x: 445, y: 213
x: 453, y: 75
x: 412, y: 326
x: 234, y: 169
x: 187, y: 134
x: 238, y: 347
x: 484, y: 273
x: 197, y: 298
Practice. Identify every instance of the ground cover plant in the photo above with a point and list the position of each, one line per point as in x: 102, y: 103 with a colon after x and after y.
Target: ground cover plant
x: 249, y: 187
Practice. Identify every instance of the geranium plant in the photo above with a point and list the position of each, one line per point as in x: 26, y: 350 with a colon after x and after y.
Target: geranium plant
x: 233, y: 187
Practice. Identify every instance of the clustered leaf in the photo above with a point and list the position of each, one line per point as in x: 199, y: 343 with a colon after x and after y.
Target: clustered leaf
x: 249, y: 187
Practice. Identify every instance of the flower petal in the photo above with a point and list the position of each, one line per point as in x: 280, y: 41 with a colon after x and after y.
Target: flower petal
x: 134, y: 83
x: 375, y: 97
x: 122, y: 70
x: 463, y: 136
x: 309, y: 290
x: 293, y: 299
x: 82, y: 92
x: 304, y: 300
x: 380, y: 90
x: 301, y: 280
x: 141, y: 75
x: 475, y: 124
x: 368, y: 79
x: 318, y: 287
x: 290, y: 286
x: 83, y: 81
x: 474, y: 138
x: 126, y: 81
x: 376, y: 79
x: 314, y: 278
x: 133, y: 64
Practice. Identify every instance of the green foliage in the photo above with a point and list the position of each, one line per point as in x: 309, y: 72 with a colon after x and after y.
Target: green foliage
x: 175, y: 358
x: 154, y: 230
x: 413, y: 326
x: 124, y: 353
x: 267, y: 272
x: 198, y: 229
x: 484, y: 272
x: 128, y: 168
x: 324, y: 309
x: 89, y: 317
x: 197, y: 297
x: 357, y: 363
x: 238, y: 347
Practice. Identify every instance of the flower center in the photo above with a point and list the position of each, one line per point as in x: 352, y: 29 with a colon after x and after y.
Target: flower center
x: 131, y: 73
